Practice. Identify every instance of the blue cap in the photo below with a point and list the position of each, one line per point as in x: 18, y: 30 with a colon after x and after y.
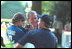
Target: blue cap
x: 46, y: 19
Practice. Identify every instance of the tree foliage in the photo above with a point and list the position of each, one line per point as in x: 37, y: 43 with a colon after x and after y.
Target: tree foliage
x: 62, y: 9
x: 47, y: 6
x: 9, y: 8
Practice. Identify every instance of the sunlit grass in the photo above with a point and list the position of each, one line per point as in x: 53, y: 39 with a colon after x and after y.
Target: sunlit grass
x: 7, y: 44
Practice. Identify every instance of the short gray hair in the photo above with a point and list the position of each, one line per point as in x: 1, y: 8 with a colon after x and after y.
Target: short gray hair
x: 31, y: 12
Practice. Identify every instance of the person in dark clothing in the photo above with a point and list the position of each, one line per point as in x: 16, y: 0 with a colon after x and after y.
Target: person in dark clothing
x: 42, y: 37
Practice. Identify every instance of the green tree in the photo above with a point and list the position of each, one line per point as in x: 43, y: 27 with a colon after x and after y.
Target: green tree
x: 62, y: 9
x: 9, y: 8
x: 47, y: 6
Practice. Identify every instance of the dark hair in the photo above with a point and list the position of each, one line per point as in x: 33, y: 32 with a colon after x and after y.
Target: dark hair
x: 18, y: 17
x: 46, y: 20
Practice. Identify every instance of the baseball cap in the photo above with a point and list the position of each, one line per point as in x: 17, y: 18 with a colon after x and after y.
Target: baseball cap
x: 46, y: 19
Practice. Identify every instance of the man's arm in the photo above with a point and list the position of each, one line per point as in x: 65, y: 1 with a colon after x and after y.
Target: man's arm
x: 26, y: 38
x: 17, y: 45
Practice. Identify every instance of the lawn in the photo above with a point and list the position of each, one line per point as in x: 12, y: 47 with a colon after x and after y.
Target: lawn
x: 7, y: 44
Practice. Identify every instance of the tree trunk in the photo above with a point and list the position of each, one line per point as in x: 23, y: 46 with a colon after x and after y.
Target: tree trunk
x: 36, y: 6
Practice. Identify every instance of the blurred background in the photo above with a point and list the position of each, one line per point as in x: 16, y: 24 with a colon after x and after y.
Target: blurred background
x: 59, y: 11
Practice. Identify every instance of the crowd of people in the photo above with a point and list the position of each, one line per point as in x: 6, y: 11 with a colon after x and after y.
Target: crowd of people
x: 34, y: 35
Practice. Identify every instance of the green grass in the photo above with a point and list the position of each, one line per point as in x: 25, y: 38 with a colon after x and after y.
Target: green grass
x: 7, y: 44
x: 59, y: 46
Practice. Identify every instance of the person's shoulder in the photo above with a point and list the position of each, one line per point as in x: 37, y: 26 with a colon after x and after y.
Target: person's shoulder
x: 36, y: 31
x: 52, y: 35
x: 9, y: 27
x: 32, y: 31
x: 13, y: 28
x: 45, y: 30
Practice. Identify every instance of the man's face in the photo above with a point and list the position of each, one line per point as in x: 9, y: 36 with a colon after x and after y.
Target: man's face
x: 40, y: 23
x: 33, y: 20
